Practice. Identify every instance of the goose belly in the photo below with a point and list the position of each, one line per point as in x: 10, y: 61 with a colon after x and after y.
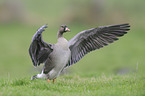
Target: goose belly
x: 60, y: 57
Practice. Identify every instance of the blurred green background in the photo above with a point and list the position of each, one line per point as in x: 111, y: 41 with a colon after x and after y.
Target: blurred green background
x: 19, y: 20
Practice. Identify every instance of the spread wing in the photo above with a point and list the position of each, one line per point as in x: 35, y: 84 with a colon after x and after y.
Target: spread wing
x: 92, y: 39
x: 39, y: 50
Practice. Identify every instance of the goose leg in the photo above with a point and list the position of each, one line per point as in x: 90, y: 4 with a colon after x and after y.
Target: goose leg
x: 53, y: 81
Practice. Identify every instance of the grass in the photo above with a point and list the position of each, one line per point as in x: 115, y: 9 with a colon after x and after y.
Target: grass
x: 70, y: 85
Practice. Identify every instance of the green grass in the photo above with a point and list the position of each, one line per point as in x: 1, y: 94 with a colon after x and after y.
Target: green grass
x: 74, y: 85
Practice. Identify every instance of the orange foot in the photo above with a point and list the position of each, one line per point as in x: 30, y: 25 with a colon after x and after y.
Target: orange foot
x: 48, y: 80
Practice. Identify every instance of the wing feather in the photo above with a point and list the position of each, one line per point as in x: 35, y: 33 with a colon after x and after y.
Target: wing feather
x: 92, y: 39
x: 39, y: 50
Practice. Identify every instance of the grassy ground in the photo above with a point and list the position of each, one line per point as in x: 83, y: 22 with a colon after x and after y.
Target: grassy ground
x: 70, y: 85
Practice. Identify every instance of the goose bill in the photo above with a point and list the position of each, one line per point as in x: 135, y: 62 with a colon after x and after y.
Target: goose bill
x: 67, y: 29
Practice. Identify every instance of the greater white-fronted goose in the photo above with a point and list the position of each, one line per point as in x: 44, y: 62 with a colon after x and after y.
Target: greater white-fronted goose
x: 59, y: 56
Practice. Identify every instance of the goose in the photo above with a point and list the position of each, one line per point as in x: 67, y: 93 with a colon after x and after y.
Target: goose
x: 59, y: 56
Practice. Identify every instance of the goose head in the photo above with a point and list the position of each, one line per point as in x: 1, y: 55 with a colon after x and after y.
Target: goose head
x: 62, y: 29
